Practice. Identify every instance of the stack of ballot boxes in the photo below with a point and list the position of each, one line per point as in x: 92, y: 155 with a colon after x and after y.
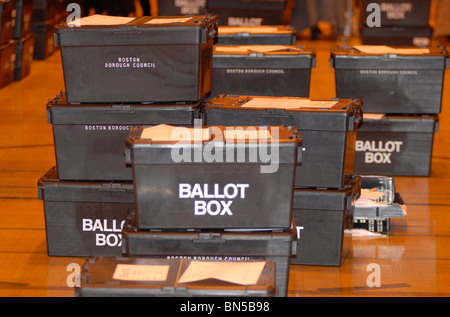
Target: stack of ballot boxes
x: 396, y: 22
x: 325, y: 186
x: 46, y: 15
x: 116, y: 192
x: 402, y: 91
x: 25, y: 38
x: 217, y: 194
x: 7, y: 42
x: 89, y: 191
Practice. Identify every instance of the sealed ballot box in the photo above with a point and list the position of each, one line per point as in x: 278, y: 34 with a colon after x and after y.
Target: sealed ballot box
x: 419, y: 36
x: 181, y: 7
x: 397, y: 12
x: 328, y: 129
x: 84, y: 219
x: 215, y: 245
x: 90, y: 138
x: 248, y: 12
x: 256, y: 35
x: 324, y: 220
x: 213, y: 177
x: 395, y: 145
x: 153, y: 277
x: 262, y: 70
x: 391, y: 80
x: 146, y: 59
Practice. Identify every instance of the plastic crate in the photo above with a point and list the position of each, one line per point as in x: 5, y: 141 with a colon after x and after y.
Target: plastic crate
x: 419, y: 36
x: 84, y: 218
x: 221, y: 181
x: 90, y: 138
x: 147, y: 59
x: 396, y: 145
x: 328, y: 129
x: 215, y: 245
x: 391, y: 80
x: 147, y: 277
x: 399, y: 12
x: 324, y: 220
x: 256, y: 35
x: 248, y: 12
x: 279, y: 70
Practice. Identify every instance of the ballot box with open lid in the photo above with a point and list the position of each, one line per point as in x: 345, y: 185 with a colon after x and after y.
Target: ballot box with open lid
x: 256, y: 35
x: 213, y: 177
x: 328, y: 129
x: 146, y: 59
x: 237, y: 245
x: 262, y: 70
x: 84, y: 219
x: 391, y: 80
x: 155, y: 277
x: 90, y: 138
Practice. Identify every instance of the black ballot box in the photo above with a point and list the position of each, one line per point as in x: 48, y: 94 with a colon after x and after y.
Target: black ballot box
x: 248, y: 12
x: 324, y: 222
x: 397, y: 12
x: 146, y: 59
x: 181, y: 7
x: 90, y: 138
x: 404, y: 36
x: 262, y: 70
x: 213, y: 177
x: 256, y: 35
x: 396, y: 145
x: 328, y: 129
x: 84, y: 219
x: 153, y: 277
x: 391, y: 80
x: 277, y: 246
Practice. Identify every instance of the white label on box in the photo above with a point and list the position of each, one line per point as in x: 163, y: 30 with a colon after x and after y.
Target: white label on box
x: 168, y: 20
x: 99, y: 19
x: 288, y: 103
x: 142, y: 273
x: 383, y: 49
x: 242, y: 273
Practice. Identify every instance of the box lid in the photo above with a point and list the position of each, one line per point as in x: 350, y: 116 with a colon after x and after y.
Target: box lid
x: 328, y: 199
x: 267, y: 56
x: 205, y: 242
x: 155, y: 145
x: 59, y: 111
x: 50, y: 188
x: 128, y: 276
x: 392, y: 123
x: 388, y: 57
x: 253, y: 30
x: 310, y: 114
x: 98, y: 30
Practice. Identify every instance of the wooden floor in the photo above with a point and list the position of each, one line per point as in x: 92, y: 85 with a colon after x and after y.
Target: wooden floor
x: 414, y: 259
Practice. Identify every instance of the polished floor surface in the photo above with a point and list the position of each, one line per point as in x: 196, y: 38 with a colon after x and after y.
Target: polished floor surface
x: 413, y: 259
